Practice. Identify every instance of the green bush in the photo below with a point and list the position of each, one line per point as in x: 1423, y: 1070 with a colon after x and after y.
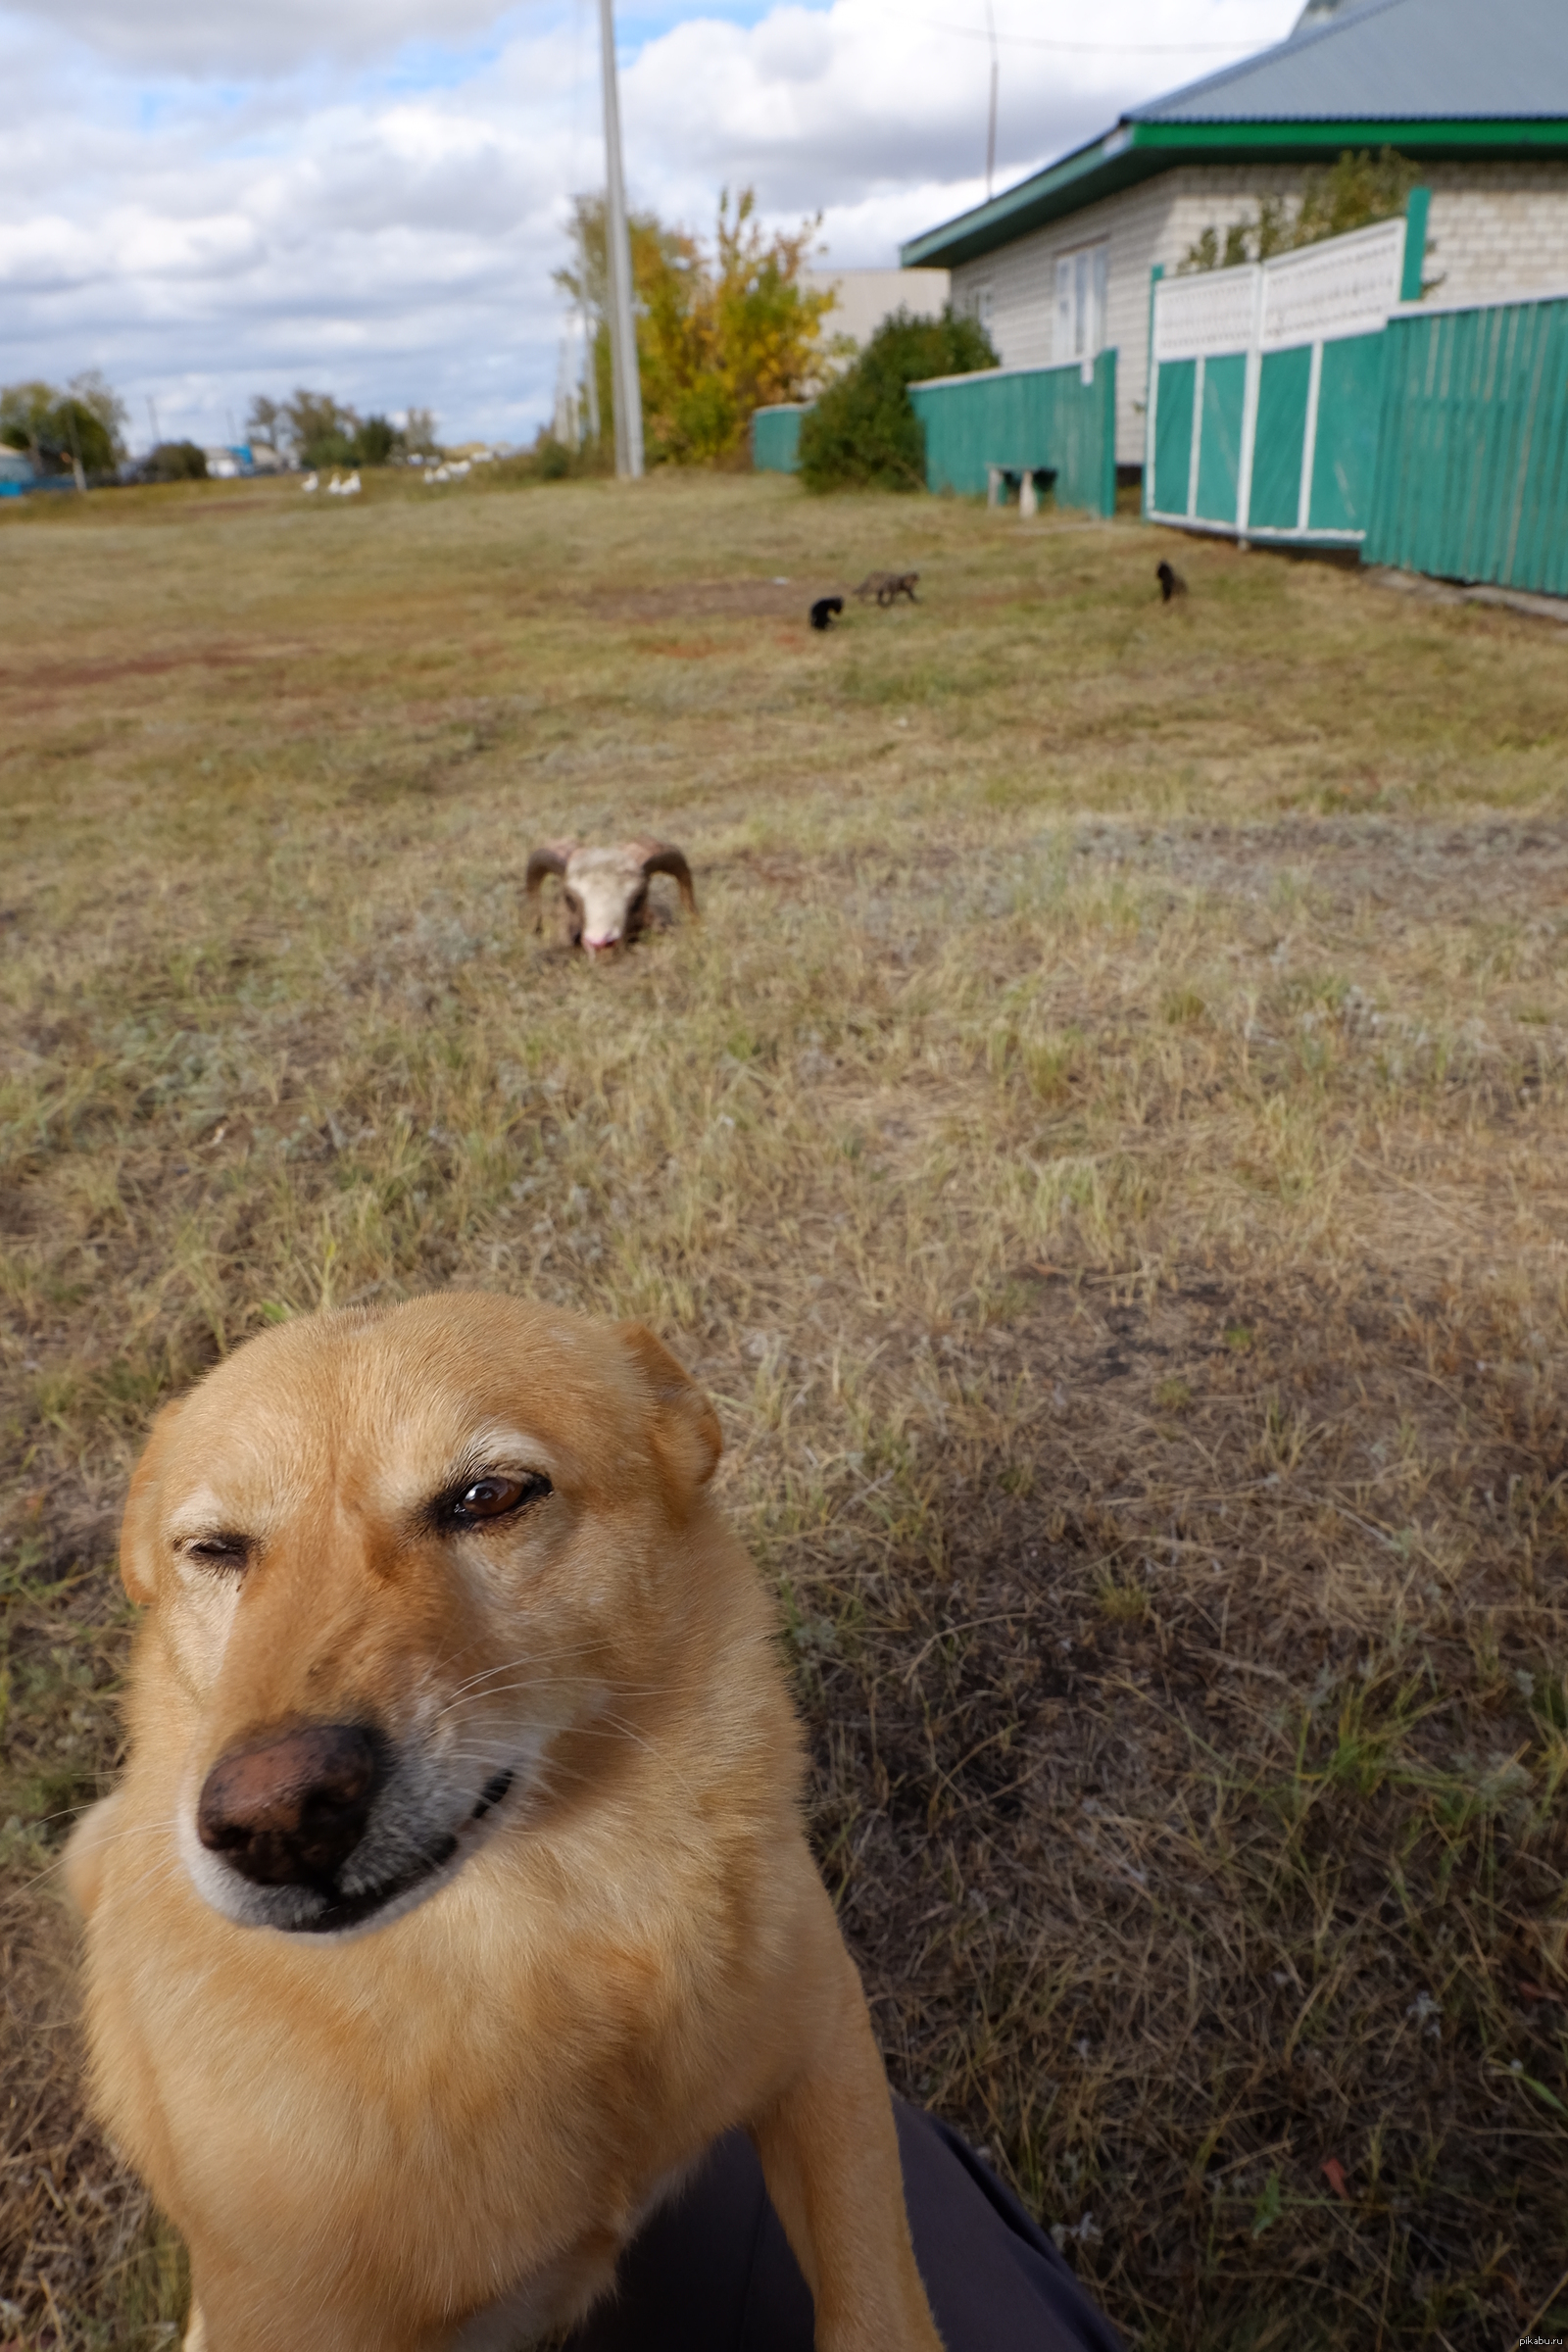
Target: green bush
x: 373, y: 442
x: 863, y: 432
x: 1352, y: 192
x: 553, y: 460
x: 82, y: 427
x: 176, y: 462
x: 548, y: 459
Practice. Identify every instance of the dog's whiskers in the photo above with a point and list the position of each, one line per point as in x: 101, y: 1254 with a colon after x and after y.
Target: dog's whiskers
x: 539, y: 1681
x: 528, y: 1657
x: 56, y: 1864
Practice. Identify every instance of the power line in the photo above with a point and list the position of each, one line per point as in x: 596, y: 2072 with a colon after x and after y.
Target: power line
x: 1030, y: 40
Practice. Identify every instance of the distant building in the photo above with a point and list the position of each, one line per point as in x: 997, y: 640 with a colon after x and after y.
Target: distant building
x: 1475, y: 92
x: 864, y: 298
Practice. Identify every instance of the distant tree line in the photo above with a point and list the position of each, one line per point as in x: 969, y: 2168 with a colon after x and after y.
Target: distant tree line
x: 315, y: 430
x: 80, y: 431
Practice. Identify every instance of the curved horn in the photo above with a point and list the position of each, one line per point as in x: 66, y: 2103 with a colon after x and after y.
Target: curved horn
x: 551, y: 859
x: 662, y: 857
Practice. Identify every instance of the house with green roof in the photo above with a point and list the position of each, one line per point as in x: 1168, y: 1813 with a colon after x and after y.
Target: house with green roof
x: 1474, y: 92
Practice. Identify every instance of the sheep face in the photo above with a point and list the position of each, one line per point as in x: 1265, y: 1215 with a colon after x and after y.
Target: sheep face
x: 605, y: 890
x: 607, y: 898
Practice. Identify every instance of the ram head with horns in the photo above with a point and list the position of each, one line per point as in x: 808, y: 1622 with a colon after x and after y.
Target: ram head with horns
x: 605, y: 890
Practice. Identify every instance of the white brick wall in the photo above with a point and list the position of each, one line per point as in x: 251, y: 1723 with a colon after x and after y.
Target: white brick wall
x: 1022, y: 277
x: 1496, y: 228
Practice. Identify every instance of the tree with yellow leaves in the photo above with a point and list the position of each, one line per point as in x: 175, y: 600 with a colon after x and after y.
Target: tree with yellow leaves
x: 718, y: 335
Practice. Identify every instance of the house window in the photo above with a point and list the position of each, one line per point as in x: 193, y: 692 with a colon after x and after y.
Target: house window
x: 982, y: 305
x: 1080, y: 303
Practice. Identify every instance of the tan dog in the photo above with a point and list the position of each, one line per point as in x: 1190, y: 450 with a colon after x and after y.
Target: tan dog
x: 456, y: 1897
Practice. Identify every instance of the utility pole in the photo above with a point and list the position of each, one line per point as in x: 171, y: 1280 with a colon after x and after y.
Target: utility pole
x: 617, y: 252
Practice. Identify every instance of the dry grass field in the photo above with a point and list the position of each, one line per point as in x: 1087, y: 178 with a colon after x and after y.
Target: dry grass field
x: 1103, y: 1150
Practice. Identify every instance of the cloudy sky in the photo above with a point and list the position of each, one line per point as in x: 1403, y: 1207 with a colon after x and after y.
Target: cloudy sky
x: 212, y: 198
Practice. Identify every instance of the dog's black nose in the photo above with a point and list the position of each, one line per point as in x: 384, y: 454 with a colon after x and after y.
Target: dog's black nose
x: 288, y: 1811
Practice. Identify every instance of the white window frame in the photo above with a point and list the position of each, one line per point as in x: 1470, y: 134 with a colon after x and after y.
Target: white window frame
x: 1083, y: 275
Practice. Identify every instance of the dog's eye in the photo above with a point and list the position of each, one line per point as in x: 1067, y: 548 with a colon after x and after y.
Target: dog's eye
x: 229, y: 1554
x: 492, y: 1496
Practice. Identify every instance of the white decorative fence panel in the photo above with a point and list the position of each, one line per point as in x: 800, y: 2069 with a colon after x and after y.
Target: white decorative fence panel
x: 1347, y: 286
x: 1212, y: 311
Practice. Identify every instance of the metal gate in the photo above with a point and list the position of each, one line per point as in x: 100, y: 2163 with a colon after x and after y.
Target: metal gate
x: 1265, y: 386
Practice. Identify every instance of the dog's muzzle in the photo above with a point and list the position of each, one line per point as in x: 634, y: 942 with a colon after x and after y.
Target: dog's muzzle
x: 288, y: 1811
x: 316, y: 1831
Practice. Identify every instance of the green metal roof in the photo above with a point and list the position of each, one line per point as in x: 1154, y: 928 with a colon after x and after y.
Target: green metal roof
x: 1440, y: 79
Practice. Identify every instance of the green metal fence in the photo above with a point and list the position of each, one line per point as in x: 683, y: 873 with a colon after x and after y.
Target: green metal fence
x: 1017, y: 420
x: 1316, y: 397
x: 1472, y: 465
x: 776, y: 440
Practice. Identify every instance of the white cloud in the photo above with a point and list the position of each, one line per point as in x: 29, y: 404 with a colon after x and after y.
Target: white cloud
x: 900, y: 97
x: 186, y: 205
x: 793, y: 46
x: 217, y: 37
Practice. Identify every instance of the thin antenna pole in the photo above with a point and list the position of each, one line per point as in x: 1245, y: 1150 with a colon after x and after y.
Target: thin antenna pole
x: 990, y: 126
x: 623, y: 326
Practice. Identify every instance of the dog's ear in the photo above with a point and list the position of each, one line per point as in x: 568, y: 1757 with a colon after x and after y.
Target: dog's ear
x: 136, y: 1525
x: 686, y: 1428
